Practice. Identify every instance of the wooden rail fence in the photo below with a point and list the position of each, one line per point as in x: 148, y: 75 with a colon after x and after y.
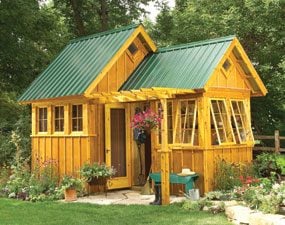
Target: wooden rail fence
x: 276, y: 137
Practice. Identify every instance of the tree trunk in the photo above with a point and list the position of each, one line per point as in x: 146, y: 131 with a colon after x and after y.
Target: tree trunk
x: 79, y: 25
x: 103, y: 13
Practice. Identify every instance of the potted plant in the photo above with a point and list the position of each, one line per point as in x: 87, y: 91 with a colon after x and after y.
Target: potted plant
x: 71, y: 185
x: 97, y: 173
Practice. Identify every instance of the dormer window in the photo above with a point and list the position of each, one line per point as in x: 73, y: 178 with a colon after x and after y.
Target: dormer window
x: 227, y: 65
x: 133, y: 49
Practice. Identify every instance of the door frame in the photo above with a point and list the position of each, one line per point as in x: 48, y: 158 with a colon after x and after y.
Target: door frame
x: 118, y: 182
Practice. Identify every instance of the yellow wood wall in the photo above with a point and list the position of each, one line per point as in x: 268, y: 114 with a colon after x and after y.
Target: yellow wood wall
x: 122, y: 69
x: 234, y: 78
x: 202, y: 159
x: 73, y: 149
x: 202, y: 162
x: 70, y: 150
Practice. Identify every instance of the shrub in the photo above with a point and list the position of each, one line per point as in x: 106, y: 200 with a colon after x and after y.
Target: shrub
x: 41, y: 184
x: 266, y: 163
x: 197, y: 205
x: 226, y: 175
x: 267, y: 201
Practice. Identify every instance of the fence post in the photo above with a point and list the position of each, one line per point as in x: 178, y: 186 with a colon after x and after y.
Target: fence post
x: 277, y: 141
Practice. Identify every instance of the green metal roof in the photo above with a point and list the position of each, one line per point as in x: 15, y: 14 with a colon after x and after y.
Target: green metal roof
x: 184, y: 66
x: 77, y: 66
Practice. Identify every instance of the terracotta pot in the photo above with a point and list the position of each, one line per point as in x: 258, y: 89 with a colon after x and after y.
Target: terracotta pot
x: 70, y: 195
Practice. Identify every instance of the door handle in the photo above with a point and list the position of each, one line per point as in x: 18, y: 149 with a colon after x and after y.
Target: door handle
x: 108, y: 150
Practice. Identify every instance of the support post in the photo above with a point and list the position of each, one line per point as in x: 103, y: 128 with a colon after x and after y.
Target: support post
x: 277, y: 141
x: 164, y: 156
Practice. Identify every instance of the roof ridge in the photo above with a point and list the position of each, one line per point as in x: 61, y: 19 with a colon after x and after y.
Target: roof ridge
x: 196, y: 44
x: 104, y: 33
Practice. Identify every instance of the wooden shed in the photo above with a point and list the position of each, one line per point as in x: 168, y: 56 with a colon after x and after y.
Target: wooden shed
x: 83, y: 103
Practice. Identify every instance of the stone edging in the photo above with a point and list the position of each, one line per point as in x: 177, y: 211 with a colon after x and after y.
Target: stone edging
x: 243, y: 215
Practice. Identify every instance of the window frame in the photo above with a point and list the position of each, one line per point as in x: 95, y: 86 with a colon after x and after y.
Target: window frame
x: 135, y: 48
x: 244, y: 119
x: 77, y: 118
x: 169, y: 130
x: 224, y: 128
x: 225, y: 71
x: 58, y: 119
x: 40, y: 120
x: 181, y: 131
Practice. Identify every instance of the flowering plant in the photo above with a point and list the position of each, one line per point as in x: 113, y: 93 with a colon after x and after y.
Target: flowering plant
x: 96, y: 170
x: 146, y: 120
x: 249, y: 180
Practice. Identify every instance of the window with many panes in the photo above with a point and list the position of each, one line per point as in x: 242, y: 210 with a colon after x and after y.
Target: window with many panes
x: 240, y: 122
x: 221, y: 128
x: 188, y: 129
x: 77, y: 119
x: 59, y: 118
x: 42, y: 119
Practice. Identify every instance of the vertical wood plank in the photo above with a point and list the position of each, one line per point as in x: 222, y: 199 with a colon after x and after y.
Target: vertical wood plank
x: 67, y: 119
x: 49, y: 120
x: 76, y: 155
x: 85, y: 118
x: 34, y: 119
x: 164, y: 156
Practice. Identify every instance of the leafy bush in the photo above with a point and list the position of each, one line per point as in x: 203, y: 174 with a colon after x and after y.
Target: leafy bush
x: 196, y: 205
x: 14, y: 134
x: 219, y: 195
x: 230, y: 175
x: 266, y: 163
x: 41, y: 184
x: 267, y: 201
x: 226, y: 175
x: 281, y: 163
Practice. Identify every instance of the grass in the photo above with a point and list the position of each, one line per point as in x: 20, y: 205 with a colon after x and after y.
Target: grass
x: 14, y: 212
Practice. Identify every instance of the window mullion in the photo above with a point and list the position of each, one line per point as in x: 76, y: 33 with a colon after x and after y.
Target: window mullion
x: 194, y: 122
x: 236, y: 124
x: 215, y: 123
x: 184, y: 123
x: 222, y: 120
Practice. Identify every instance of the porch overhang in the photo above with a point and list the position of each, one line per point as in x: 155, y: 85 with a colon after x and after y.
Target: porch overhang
x: 143, y: 94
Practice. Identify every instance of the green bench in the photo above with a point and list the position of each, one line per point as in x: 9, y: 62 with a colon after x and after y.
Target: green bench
x: 188, y: 180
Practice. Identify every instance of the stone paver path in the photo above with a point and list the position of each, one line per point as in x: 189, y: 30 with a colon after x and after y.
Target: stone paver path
x: 126, y: 197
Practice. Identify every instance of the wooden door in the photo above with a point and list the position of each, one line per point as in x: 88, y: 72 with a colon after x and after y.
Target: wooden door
x: 117, y: 152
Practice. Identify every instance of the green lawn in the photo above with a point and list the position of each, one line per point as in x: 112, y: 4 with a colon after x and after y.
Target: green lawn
x: 18, y: 212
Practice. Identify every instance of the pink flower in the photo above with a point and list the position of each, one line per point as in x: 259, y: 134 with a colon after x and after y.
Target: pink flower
x: 145, y: 120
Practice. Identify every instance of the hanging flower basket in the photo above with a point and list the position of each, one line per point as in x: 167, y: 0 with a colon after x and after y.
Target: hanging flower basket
x: 146, y: 120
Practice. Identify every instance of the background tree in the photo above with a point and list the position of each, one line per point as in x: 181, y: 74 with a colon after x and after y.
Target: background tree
x: 258, y: 24
x: 89, y: 16
x: 30, y: 36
